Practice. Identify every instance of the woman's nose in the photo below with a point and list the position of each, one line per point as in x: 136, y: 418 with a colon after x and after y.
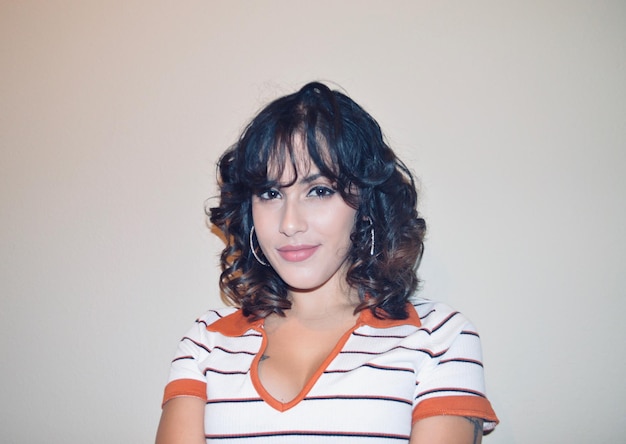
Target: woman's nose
x: 293, y: 218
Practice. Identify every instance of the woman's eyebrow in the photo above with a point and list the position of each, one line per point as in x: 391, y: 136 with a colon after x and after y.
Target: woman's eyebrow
x: 311, y: 178
x: 304, y: 180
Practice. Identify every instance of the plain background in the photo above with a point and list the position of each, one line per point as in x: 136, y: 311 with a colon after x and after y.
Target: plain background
x: 113, y: 113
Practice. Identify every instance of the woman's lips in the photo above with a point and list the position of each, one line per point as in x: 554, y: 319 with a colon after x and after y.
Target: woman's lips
x: 297, y: 253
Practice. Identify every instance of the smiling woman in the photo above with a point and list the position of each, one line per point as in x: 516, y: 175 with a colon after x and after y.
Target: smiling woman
x: 323, y: 243
x: 304, y: 230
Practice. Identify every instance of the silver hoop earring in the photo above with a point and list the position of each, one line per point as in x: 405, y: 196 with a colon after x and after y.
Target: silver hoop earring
x: 372, y: 236
x: 252, y: 249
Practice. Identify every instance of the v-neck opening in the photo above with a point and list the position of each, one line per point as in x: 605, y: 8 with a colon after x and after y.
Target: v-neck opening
x: 235, y: 324
x: 306, y: 389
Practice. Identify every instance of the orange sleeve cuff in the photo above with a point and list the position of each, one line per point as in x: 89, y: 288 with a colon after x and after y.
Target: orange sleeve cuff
x: 184, y: 387
x: 471, y: 406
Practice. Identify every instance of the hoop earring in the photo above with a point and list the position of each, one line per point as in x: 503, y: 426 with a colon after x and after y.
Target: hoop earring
x: 372, y: 236
x: 254, y: 252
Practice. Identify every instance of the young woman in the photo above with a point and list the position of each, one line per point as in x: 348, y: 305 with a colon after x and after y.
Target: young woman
x: 325, y: 341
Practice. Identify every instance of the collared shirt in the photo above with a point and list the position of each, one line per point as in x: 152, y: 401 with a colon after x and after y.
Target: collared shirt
x: 381, y: 377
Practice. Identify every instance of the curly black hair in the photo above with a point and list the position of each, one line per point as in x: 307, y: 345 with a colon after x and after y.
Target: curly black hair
x: 348, y: 147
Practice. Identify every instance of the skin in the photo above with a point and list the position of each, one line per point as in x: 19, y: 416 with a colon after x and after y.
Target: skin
x: 447, y: 430
x: 304, y: 231
x: 182, y: 422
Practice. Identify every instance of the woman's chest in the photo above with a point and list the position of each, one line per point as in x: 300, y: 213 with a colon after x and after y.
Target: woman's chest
x: 362, y: 375
x: 358, y: 364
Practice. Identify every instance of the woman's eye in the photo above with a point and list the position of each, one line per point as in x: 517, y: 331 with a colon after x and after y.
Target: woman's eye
x: 321, y: 191
x: 269, y: 194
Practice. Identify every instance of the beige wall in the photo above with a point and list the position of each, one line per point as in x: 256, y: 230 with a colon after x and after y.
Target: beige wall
x: 112, y: 114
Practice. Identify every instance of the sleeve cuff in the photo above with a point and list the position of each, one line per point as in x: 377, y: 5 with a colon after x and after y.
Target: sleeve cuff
x: 471, y: 406
x: 184, y: 387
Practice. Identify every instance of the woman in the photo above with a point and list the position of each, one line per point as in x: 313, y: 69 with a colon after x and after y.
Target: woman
x: 323, y: 343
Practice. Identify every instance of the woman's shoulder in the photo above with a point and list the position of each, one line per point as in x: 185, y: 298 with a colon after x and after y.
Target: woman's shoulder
x: 211, y: 316
x: 229, y: 321
x: 435, y: 316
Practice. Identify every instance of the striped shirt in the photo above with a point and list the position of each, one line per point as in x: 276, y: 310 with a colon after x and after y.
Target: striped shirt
x: 382, y: 376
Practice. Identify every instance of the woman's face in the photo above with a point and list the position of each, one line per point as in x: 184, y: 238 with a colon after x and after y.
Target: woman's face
x: 304, y: 229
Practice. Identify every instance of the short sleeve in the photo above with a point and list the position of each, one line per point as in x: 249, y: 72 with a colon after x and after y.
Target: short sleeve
x: 186, y: 377
x: 452, y: 381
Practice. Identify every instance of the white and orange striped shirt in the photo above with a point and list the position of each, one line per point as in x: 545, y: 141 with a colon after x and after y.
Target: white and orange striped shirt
x: 382, y: 376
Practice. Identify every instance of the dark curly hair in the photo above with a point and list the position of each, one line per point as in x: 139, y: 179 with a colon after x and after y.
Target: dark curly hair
x: 347, y: 146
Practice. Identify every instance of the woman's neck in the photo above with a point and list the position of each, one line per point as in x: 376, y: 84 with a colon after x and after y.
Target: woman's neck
x: 323, y: 304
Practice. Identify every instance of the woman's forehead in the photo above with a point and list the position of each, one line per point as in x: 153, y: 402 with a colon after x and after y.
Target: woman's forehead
x: 296, y: 166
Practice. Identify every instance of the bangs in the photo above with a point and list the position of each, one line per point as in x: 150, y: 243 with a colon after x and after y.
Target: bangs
x: 287, y: 159
x: 293, y: 146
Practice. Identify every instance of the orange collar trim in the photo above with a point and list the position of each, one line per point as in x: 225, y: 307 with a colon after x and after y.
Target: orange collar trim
x: 236, y: 324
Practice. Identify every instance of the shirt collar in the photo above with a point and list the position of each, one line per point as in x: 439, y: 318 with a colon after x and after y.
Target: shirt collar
x: 367, y: 318
x: 236, y: 324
